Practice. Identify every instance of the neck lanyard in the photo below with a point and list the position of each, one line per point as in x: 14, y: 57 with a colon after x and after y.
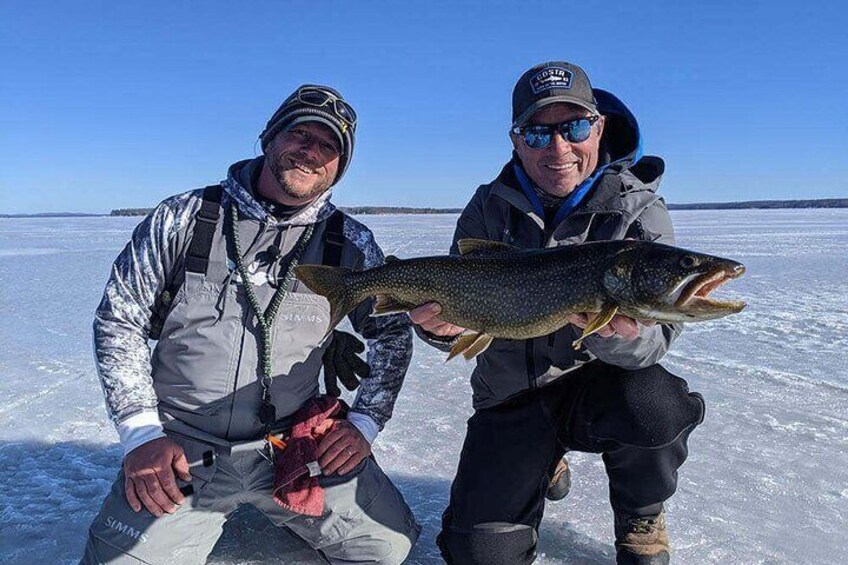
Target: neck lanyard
x: 267, y: 412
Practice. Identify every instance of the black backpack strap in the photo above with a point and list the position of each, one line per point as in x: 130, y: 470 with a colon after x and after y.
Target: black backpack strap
x: 197, y: 256
x: 196, y: 259
x: 334, y: 239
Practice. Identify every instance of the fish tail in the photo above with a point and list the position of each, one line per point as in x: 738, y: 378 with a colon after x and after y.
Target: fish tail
x: 332, y: 284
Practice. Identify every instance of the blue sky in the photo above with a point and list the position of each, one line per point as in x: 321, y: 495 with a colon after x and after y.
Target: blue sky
x: 116, y: 104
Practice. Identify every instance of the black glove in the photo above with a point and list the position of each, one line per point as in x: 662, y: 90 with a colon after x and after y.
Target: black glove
x: 341, y: 363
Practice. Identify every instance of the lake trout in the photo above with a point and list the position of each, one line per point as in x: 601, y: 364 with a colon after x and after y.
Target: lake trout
x: 499, y: 291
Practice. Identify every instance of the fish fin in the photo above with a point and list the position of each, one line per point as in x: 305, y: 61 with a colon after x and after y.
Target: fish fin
x: 471, y: 245
x: 330, y: 283
x: 479, y: 346
x: 600, y: 320
x: 385, y: 304
x: 464, y: 342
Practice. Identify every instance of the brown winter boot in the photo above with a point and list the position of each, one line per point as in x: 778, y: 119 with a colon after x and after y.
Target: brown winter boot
x: 641, y: 540
x: 560, y: 483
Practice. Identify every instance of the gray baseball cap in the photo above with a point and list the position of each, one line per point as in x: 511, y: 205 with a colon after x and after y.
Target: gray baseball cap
x: 549, y: 83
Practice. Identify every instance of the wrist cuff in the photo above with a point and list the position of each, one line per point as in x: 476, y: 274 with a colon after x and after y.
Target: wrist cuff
x: 138, y: 429
x: 366, y: 426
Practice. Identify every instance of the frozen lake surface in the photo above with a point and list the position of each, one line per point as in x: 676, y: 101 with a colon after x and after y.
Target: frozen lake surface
x: 767, y: 477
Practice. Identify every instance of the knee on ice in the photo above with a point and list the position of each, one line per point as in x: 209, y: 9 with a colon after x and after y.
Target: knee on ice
x: 645, y: 408
x: 396, y: 548
x: 386, y: 547
x: 491, y: 543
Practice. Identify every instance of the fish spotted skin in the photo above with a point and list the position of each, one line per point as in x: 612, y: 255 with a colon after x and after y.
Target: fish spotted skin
x: 504, y: 292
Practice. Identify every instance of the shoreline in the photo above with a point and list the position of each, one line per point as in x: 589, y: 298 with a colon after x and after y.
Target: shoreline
x: 396, y: 210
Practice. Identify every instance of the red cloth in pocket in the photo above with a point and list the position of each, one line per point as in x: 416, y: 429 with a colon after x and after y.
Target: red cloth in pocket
x: 296, y: 469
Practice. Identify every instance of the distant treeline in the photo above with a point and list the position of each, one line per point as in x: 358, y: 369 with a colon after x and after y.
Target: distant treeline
x: 360, y: 210
x: 762, y: 204
x: 131, y: 212
x: 357, y: 210
x: 53, y: 215
x: 352, y: 210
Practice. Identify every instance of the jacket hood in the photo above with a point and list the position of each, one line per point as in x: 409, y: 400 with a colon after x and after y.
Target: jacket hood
x: 621, y: 143
x: 238, y: 189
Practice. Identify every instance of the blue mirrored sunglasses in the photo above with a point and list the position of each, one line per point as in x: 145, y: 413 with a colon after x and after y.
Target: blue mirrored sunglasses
x: 539, y: 136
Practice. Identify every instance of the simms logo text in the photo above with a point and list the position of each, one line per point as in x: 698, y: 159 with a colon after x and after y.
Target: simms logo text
x: 126, y: 530
x: 310, y: 318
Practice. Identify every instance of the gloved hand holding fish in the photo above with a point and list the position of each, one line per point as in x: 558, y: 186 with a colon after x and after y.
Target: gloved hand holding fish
x: 499, y: 291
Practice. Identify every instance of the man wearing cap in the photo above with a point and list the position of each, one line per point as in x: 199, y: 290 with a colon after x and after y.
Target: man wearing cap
x: 203, y: 416
x: 576, y: 175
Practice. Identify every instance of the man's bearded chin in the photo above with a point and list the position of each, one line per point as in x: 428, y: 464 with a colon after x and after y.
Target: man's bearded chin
x: 279, y: 173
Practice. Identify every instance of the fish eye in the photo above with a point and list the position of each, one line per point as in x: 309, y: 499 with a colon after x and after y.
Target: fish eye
x: 689, y: 261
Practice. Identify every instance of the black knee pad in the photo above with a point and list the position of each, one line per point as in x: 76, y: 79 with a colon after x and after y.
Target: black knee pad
x: 644, y: 408
x: 492, y: 543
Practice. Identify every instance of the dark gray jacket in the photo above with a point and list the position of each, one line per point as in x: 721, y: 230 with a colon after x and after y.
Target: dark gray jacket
x: 203, y: 371
x: 622, y: 203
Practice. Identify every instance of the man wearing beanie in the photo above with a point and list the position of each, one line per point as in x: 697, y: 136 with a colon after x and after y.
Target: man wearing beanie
x: 576, y: 175
x: 206, y: 417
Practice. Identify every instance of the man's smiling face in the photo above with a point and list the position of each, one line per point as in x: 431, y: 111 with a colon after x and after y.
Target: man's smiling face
x: 304, y: 160
x: 561, y: 166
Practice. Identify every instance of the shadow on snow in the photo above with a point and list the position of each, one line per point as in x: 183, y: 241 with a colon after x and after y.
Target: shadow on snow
x: 50, y: 492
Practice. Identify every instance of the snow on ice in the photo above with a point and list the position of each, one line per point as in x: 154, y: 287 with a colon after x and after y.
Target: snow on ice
x: 767, y: 477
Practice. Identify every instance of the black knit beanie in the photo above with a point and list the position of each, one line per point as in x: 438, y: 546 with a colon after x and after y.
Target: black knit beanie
x: 294, y: 110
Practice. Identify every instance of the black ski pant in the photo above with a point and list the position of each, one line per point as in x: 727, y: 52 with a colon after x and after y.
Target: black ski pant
x: 639, y: 421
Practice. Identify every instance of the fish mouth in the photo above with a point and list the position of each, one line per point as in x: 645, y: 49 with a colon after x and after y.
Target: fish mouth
x: 696, y: 296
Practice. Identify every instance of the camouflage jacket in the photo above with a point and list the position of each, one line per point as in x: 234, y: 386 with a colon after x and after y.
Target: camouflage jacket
x: 203, y: 373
